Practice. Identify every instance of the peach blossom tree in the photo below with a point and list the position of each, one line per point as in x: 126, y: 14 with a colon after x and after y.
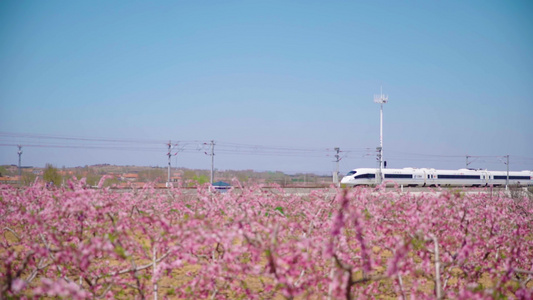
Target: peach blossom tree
x: 253, y: 243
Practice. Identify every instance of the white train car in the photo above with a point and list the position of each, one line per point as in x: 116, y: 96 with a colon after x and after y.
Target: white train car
x: 431, y: 177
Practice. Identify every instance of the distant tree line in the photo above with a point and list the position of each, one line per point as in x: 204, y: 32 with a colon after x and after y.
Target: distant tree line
x: 188, y: 177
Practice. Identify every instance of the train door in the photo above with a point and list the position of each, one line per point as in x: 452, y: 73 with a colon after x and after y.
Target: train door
x: 485, y: 178
x: 419, y: 178
x: 430, y: 177
x: 490, y: 179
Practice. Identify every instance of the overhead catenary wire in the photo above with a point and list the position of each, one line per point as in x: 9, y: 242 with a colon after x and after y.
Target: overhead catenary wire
x: 71, y: 138
x: 40, y: 140
x: 8, y: 139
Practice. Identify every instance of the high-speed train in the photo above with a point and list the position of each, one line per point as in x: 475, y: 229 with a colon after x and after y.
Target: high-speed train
x: 431, y: 177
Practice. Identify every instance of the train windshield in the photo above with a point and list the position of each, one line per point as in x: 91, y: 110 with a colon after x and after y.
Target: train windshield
x: 351, y: 173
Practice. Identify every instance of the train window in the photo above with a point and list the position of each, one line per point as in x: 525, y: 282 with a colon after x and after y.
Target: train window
x: 459, y: 176
x: 365, y: 176
x: 398, y: 176
x: 511, y: 177
x: 351, y: 173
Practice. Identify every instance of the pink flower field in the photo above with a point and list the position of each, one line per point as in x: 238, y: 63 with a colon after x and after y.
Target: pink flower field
x: 248, y: 243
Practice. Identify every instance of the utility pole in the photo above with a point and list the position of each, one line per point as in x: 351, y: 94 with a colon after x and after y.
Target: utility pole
x: 467, y: 163
x: 337, y: 159
x: 212, y: 161
x: 381, y: 99
x: 19, y: 152
x: 169, y: 156
x: 507, y: 181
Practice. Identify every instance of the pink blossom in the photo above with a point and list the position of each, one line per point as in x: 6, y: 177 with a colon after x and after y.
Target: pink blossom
x: 17, y: 285
x: 90, y: 243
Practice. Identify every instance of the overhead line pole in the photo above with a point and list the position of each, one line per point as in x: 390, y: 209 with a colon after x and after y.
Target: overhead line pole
x: 19, y: 152
x: 507, y: 181
x: 337, y: 159
x: 169, y: 156
x: 212, y: 161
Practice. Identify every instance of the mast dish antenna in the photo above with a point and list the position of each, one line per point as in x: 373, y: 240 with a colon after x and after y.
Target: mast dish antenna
x: 381, y: 98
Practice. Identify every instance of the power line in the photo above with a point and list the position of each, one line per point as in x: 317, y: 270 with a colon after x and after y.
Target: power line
x: 258, y: 150
x: 70, y: 138
x: 29, y: 140
x: 82, y: 147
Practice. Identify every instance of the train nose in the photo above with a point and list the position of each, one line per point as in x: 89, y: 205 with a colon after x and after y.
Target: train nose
x: 345, y: 179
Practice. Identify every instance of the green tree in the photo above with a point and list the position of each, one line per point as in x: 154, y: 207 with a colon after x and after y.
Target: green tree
x: 111, y: 181
x: 51, y: 174
x: 242, y: 178
x: 201, y: 179
x: 188, y: 175
x: 28, y: 178
x: 92, y: 179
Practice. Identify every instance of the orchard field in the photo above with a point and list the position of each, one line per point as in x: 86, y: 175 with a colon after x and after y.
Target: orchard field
x: 80, y: 243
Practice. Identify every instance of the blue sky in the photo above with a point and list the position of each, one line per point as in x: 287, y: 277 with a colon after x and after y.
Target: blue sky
x: 289, y: 74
